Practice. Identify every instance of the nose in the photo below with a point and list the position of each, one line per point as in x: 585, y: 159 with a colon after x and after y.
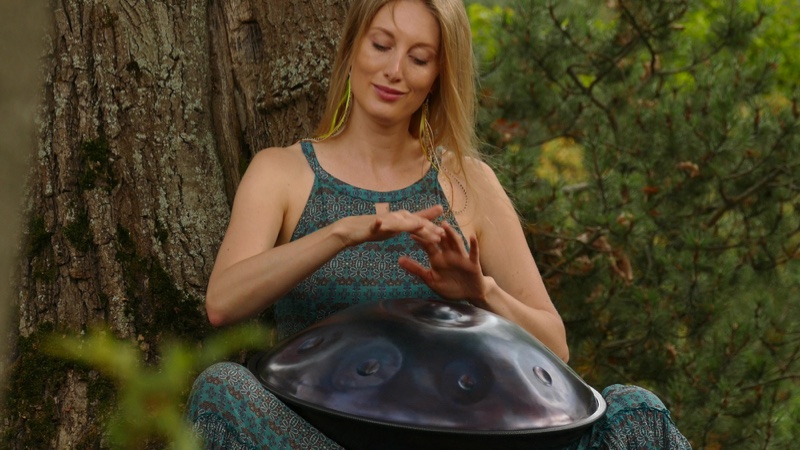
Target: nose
x: 394, y: 67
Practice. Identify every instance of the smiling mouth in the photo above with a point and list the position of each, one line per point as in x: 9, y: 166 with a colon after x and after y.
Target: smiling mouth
x: 388, y: 92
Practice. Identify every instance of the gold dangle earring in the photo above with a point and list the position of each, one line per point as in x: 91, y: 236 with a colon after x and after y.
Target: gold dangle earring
x: 340, y: 116
x: 426, y: 135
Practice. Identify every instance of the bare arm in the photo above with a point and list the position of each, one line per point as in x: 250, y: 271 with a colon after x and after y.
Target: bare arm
x: 498, y: 273
x: 252, y: 271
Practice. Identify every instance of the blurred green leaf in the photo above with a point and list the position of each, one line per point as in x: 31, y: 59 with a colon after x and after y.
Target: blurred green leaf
x: 150, y: 399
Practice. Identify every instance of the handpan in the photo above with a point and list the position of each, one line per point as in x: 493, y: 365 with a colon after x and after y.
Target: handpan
x: 428, y: 374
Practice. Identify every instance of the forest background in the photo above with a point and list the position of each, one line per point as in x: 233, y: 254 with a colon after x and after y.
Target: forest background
x: 652, y: 149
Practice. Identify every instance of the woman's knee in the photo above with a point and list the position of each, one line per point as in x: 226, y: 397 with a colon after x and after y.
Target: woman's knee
x: 218, y: 383
x: 622, y: 397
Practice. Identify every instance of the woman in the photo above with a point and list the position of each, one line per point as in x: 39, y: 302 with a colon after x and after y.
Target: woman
x: 374, y: 209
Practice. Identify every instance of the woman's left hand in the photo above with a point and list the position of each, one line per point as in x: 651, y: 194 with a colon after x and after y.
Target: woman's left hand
x: 454, y: 273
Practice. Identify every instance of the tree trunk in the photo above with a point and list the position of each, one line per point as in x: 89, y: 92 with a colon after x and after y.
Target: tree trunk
x: 271, y: 62
x: 150, y: 112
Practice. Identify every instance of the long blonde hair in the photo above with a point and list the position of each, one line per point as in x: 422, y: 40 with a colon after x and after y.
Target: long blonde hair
x: 452, y: 103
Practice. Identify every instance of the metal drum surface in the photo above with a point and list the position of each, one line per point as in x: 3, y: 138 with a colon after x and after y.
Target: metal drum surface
x: 428, y: 374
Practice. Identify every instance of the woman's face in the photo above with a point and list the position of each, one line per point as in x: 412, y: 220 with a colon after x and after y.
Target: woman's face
x: 396, y: 62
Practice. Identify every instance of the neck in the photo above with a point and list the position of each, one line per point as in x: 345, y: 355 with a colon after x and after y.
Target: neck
x: 377, y: 143
x: 374, y: 155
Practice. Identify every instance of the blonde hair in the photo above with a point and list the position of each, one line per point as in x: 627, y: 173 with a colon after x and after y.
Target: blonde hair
x: 452, y: 103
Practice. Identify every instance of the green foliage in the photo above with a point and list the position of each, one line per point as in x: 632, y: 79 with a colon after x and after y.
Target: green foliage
x: 36, y: 380
x: 150, y: 399
x: 29, y: 377
x: 484, y: 20
x: 671, y: 244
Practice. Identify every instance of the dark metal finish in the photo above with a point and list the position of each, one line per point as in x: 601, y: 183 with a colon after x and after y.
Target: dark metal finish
x: 428, y: 374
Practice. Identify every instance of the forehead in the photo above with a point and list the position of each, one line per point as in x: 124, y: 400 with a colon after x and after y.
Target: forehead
x: 408, y: 19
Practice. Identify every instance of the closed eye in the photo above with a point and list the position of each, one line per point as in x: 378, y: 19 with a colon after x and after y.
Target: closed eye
x: 419, y: 62
x: 379, y: 47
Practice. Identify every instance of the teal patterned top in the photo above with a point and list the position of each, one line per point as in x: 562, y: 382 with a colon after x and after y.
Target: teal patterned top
x: 362, y: 273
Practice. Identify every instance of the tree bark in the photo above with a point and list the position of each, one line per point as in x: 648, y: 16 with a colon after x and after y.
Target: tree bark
x: 271, y: 62
x: 151, y: 111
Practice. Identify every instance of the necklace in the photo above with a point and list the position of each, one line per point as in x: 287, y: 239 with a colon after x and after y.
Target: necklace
x: 450, y: 179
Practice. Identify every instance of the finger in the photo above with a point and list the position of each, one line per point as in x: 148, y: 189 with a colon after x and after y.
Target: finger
x: 425, y: 229
x: 430, y: 247
x: 404, y: 221
x: 474, y: 256
x: 452, y: 240
x: 431, y: 213
x: 376, y: 225
x: 414, y: 268
x: 433, y: 234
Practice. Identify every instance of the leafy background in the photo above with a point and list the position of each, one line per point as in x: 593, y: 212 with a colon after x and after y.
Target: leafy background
x: 652, y: 149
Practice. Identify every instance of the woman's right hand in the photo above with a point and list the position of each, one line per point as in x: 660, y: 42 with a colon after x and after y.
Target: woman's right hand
x: 355, y: 230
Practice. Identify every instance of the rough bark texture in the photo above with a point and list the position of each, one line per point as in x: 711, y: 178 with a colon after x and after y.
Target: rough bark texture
x: 151, y: 111
x: 271, y: 61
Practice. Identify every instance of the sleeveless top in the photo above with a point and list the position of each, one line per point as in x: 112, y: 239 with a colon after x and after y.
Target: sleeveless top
x: 361, y: 273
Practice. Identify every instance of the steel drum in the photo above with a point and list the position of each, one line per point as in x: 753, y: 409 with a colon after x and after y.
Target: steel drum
x: 428, y: 374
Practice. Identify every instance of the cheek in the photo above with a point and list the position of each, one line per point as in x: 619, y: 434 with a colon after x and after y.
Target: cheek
x: 365, y: 59
x: 362, y: 71
x: 424, y: 78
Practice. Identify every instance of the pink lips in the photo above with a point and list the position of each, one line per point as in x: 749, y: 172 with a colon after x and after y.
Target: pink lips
x: 387, y: 93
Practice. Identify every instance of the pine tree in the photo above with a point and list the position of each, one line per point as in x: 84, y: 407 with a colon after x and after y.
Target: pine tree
x: 653, y: 149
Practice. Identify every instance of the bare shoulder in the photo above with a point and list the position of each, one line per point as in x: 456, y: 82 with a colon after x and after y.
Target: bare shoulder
x: 475, y: 192
x: 492, y: 204
x: 479, y: 169
x: 273, y: 174
x: 277, y: 160
x: 276, y: 166
x: 483, y: 182
x: 472, y: 169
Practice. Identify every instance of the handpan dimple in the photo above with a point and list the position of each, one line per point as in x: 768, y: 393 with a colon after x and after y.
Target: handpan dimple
x: 444, y: 314
x: 310, y: 344
x: 466, y: 381
x: 441, y: 313
x: 543, y: 376
x: 366, y: 366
